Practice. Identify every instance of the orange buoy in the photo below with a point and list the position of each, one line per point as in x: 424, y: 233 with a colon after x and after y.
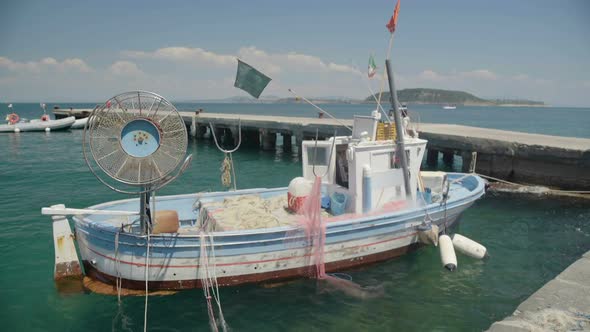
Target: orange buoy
x: 13, y: 118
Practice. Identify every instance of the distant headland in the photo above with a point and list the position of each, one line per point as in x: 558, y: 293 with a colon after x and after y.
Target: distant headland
x: 438, y: 96
x: 409, y: 96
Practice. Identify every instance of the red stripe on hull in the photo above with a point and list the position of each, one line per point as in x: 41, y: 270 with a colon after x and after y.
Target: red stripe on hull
x: 301, y: 272
x: 246, y: 262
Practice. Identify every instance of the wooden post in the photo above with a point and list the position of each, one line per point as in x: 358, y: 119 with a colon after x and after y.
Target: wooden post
x: 235, y: 134
x: 67, y: 273
x: 193, y: 129
x: 269, y: 140
x: 299, y: 143
x: 287, y: 142
x: 201, y: 131
x: 251, y: 137
x: 448, y: 157
x: 432, y: 157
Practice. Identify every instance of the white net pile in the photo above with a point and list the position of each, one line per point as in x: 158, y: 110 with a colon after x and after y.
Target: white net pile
x: 248, y: 212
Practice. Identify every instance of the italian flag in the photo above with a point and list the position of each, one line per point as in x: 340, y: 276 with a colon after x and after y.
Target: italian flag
x: 372, y: 67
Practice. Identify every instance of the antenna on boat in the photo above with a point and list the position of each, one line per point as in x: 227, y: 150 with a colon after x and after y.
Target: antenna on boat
x: 138, y: 140
x: 319, y: 108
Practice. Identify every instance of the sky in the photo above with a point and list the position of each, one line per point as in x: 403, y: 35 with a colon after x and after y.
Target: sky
x: 89, y: 51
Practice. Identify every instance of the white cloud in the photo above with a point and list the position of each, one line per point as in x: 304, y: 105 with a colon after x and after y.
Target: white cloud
x: 125, y: 68
x: 430, y: 75
x: 269, y: 63
x: 482, y: 74
x: 479, y: 74
x: 197, y: 73
x: 49, y: 63
x: 179, y: 53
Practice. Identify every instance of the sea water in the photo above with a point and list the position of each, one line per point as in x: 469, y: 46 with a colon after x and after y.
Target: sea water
x: 530, y: 241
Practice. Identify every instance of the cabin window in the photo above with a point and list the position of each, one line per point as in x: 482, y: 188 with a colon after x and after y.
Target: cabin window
x: 317, y: 156
x: 341, y: 165
x: 395, y: 163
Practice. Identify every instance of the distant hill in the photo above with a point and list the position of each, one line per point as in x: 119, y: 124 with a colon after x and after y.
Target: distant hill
x: 437, y: 96
x: 322, y: 100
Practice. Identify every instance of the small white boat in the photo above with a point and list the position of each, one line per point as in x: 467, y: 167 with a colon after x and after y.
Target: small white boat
x: 43, y: 124
x: 449, y: 107
x: 80, y: 123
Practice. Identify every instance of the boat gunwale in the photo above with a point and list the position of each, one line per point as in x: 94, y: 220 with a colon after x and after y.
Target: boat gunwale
x: 360, y: 223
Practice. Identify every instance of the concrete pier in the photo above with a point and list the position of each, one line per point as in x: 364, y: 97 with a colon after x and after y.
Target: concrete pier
x: 563, y: 304
x: 555, y: 161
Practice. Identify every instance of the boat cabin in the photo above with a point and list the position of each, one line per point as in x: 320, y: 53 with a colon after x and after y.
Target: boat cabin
x: 363, y: 167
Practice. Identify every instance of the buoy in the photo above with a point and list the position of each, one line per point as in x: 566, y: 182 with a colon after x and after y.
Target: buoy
x: 469, y: 247
x: 47, y: 129
x: 299, y: 189
x: 17, y: 130
x: 447, y: 252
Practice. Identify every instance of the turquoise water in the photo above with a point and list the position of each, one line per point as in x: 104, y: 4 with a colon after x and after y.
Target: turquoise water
x: 560, y: 121
x: 530, y: 241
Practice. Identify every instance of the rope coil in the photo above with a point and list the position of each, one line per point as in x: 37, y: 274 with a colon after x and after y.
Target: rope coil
x: 226, y: 168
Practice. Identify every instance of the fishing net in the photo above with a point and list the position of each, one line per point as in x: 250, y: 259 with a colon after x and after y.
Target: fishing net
x: 315, y: 231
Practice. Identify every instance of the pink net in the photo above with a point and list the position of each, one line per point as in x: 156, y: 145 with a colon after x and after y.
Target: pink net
x: 315, y: 231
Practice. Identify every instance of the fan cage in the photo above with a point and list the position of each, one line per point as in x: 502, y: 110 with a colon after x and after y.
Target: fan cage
x: 103, y: 136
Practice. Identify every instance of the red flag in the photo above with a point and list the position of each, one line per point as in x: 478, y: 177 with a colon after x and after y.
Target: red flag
x: 393, y: 21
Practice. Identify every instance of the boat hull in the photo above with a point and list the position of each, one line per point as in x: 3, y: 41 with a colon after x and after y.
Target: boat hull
x: 79, y: 124
x: 61, y: 124
x: 251, y: 258
x: 255, y: 255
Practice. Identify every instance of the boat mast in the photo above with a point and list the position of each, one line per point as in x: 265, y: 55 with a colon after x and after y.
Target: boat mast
x: 399, y: 137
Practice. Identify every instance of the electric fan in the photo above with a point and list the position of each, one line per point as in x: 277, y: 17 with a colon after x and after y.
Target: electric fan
x: 135, y: 143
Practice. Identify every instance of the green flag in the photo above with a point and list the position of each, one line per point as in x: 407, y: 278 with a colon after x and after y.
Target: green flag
x: 250, y: 80
x: 372, y: 67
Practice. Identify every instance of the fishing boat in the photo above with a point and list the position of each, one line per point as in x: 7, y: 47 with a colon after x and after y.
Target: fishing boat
x: 373, y: 201
x: 15, y: 124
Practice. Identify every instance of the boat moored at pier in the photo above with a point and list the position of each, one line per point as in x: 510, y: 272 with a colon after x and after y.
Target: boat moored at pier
x: 374, y: 200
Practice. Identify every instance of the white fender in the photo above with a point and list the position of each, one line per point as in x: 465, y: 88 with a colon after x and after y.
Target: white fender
x: 447, y: 252
x: 469, y: 247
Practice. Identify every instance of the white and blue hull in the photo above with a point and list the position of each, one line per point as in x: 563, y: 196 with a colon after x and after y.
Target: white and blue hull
x: 254, y: 255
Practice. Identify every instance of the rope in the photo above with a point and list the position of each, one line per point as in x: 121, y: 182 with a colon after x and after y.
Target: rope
x: 210, y: 285
x: 583, y: 192
x: 147, y: 267
x: 226, y: 170
x: 147, y: 257
x: 117, y: 261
